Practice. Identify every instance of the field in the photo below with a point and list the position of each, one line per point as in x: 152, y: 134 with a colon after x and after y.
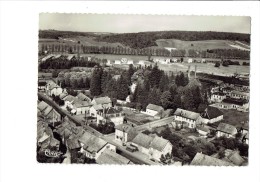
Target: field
x: 235, y: 117
x: 205, y: 68
x: 199, y: 45
x: 84, y: 40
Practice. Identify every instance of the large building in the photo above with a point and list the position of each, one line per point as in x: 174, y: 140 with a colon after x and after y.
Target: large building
x: 188, y: 118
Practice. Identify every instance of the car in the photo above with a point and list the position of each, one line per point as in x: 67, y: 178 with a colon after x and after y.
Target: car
x: 131, y: 149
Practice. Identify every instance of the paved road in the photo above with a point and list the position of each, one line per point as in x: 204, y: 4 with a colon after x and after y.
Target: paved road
x: 138, y: 159
x: 154, y: 124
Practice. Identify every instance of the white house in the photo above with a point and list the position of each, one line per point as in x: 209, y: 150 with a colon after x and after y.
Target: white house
x: 217, y: 97
x: 124, y: 60
x: 94, y: 109
x: 130, y: 62
x: 124, y: 133
x: 153, y: 109
x: 110, y: 115
x: 105, y: 102
x: 189, y: 118
x: 211, y: 115
x: 203, y: 130
x: 226, y: 130
x: 239, y: 95
x: 68, y: 101
x: 190, y: 60
x: 141, y: 62
x: 153, y: 146
x: 117, y: 62
x: 93, y: 146
x: 82, y: 107
x: 53, y: 89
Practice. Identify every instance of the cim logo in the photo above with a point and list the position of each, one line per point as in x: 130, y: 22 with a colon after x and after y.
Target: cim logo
x: 49, y: 153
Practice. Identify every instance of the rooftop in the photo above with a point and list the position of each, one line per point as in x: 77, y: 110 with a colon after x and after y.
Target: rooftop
x: 187, y: 114
x: 102, y: 100
x: 227, y: 128
x: 143, y: 140
x: 159, y: 143
x: 154, y: 107
x: 109, y: 157
x: 205, y: 160
x: 211, y: 112
x: 239, y: 102
x: 92, y: 143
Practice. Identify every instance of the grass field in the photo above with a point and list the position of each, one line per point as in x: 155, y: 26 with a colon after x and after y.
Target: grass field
x: 199, y: 45
x: 235, y: 117
x: 205, y: 68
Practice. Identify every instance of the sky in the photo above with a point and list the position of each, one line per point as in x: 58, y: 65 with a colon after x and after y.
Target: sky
x: 142, y: 23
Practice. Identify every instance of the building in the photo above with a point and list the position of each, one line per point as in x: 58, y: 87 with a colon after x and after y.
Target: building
x: 218, y: 97
x: 83, y: 97
x: 203, y: 130
x: 110, y: 157
x: 205, y: 160
x: 190, y: 60
x: 71, y: 57
x: 81, y: 107
x: 153, y: 109
x: 189, y: 118
x: 211, y: 115
x: 130, y: 62
x: 48, y: 113
x: 239, y: 95
x: 153, y: 146
x: 124, y: 60
x: 231, y: 103
x: 125, y: 133
x: 226, y: 130
x: 105, y: 102
x: 110, y: 115
x: 117, y: 62
x: 48, y: 57
x: 53, y: 89
x: 94, y: 109
x: 93, y: 146
x: 42, y: 85
x: 68, y: 101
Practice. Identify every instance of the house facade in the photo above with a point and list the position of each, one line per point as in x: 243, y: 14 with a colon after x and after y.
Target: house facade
x: 110, y: 115
x: 125, y: 133
x: 226, y: 130
x: 153, y: 109
x: 189, y: 118
x: 217, y: 97
x: 53, y: 89
x: 211, y: 115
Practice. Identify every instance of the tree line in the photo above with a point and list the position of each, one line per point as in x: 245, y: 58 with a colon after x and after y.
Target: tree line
x: 147, y: 39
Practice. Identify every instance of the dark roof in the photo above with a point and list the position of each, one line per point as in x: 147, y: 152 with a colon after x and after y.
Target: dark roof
x: 219, y: 93
x: 227, y: 128
x: 154, y: 107
x: 124, y: 127
x: 211, y: 112
x: 240, y: 102
x: 205, y: 160
x: 109, y: 110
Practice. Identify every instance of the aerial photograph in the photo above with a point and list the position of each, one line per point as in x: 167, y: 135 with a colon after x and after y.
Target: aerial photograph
x: 143, y: 89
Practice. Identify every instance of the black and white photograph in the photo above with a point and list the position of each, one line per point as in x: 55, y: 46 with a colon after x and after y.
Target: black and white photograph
x: 115, y: 89
x: 129, y: 91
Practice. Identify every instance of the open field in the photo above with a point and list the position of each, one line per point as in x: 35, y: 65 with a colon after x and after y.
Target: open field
x: 199, y: 45
x: 84, y: 40
x: 205, y: 68
x: 235, y: 117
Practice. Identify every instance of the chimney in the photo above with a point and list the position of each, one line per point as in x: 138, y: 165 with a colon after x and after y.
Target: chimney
x: 195, y: 71
x: 189, y: 71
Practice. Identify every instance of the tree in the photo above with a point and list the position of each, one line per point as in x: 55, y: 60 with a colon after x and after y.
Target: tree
x: 122, y: 88
x: 155, y: 76
x: 95, y: 83
x: 181, y: 80
x: 217, y: 64
x: 166, y: 100
x: 55, y: 73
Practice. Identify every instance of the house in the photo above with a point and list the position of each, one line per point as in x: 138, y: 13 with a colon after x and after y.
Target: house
x: 226, y: 130
x: 233, y: 157
x: 83, y: 97
x: 153, y: 109
x: 203, y: 60
x: 211, y: 115
x: 94, y: 109
x: 124, y: 60
x: 93, y: 146
x: 48, y: 112
x: 110, y: 115
x: 73, y: 144
x: 117, y: 62
x: 110, y: 157
x: 153, y: 146
x: 68, y: 101
x: 130, y: 62
x: 205, y: 160
x: 109, y: 63
x: 81, y: 107
x: 190, y: 60
x: 53, y: 89
x: 63, y: 95
x: 116, y: 77
x: 227, y: 90
x: 218, y: 97
x: 238, y: 104
x: 203, y: 130
x: 174, y: 60
x: 105, y: 102
x: 71, y: 57
x: 48, y: 57
x: 41, y: 85
x: 160, y: 146
x: 141, y: 62
x: 239, y: 95
x: 191, y: 119
x: 125, y: 133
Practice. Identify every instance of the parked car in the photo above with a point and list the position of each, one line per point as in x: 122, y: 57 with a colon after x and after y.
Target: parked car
x: 131, y: 148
